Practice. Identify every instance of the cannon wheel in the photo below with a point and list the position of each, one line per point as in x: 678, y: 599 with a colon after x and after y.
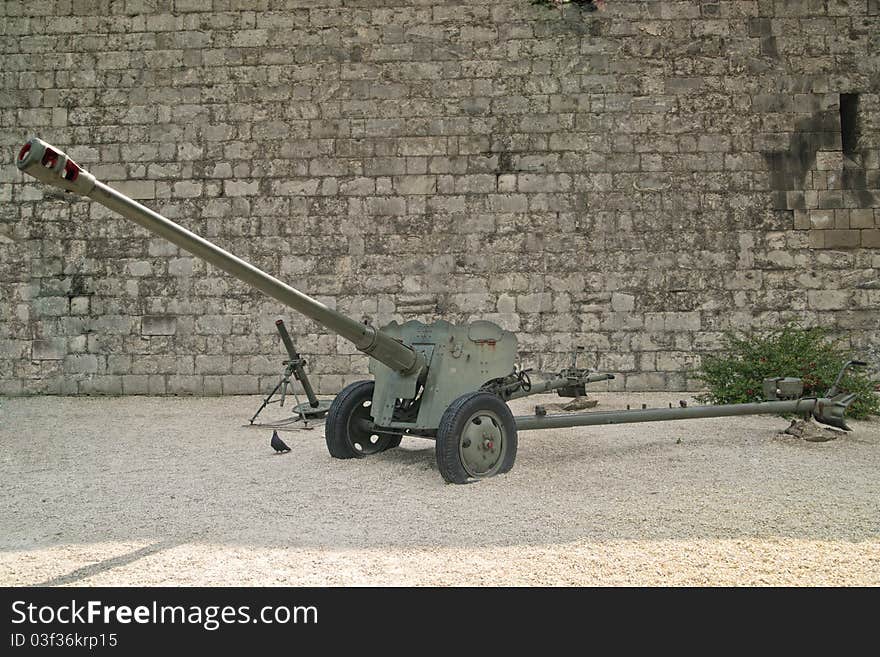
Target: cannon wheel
x: 476, y: 438
x: 347, y: 429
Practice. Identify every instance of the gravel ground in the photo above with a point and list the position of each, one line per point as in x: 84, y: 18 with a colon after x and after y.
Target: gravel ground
x: 175, y: 491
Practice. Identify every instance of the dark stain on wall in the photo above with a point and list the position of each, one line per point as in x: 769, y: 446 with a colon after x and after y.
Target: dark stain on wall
x: 789, y: 168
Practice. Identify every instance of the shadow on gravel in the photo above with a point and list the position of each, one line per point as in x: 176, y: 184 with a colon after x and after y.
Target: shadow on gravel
x: 109, y: 564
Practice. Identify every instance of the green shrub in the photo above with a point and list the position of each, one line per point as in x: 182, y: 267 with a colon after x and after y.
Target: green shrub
x: 736, y: 376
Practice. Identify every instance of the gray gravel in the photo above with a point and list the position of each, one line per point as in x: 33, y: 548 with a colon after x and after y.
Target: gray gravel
x: 175, y: 491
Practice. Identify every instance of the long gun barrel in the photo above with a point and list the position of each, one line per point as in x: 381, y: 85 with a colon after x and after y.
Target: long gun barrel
x: 50, y: 165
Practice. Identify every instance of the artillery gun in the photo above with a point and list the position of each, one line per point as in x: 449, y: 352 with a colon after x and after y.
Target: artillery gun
x: 441, y: 381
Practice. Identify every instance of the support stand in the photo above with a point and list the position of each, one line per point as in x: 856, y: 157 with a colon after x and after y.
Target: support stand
x: 294, y: 366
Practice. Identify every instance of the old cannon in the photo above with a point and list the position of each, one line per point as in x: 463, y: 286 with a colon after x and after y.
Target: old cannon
x: 442, y: 381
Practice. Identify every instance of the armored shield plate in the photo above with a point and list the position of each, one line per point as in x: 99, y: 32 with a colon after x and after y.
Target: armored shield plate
x: 460, y: 358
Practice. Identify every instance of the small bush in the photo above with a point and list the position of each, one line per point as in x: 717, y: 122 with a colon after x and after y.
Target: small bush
x: 736, y: 376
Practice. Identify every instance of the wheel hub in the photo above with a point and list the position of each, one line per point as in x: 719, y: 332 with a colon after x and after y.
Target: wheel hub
x: 482, y: 444
x: 363, y: 439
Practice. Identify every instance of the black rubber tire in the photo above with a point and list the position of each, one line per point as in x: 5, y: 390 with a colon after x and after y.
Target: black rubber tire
x: 341, y: 436
x: 452, y: 425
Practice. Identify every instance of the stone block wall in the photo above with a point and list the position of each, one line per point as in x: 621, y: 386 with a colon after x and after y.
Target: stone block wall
x: 636, y: 180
